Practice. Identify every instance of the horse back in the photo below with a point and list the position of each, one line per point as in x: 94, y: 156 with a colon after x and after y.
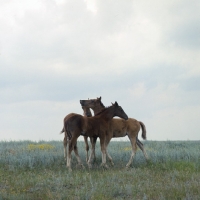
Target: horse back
x: 69, y: 115
x: 75, y: 122
x: 121, y: 127
x: 133, y: 125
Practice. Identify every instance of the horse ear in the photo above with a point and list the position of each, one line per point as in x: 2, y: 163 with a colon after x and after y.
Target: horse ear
x: 112, y: 103
x: 116, y: 103
x: 100, y: 97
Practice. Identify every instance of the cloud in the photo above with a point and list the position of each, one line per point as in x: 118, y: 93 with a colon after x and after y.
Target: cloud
x: 35, y: 120
x: 145, y: 55
x: 174, y: 123
x: 191, y: 84
x: 187, y: 35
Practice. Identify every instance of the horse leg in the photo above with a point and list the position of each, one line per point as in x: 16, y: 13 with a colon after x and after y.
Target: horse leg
x: 71, y: 146
x: 69, y: 156
x: 77, y: 155
x: 108, y: 155
x: 139, y: 143
x: 141, y: 146
x: 93, y: 141
x: 86, y: 147
x: 134, y: 148
x: 92, y: 154
x: 103, y: 151
x: 65, y: 147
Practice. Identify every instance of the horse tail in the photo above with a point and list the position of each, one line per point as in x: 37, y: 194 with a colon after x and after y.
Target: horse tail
x: 63, y: 130
x: 143, y: 131
x: 66, y: 131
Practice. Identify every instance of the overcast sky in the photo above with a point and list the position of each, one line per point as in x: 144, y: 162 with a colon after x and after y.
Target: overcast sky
x: 143, y: 54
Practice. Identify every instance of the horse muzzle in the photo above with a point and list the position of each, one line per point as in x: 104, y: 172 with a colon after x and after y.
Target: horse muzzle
x: 82, y: 102
x: 126, y: 117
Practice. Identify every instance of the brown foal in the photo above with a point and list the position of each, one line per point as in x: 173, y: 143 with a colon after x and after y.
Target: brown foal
x: 97, y: 126
x: 86, y: 113
x: 120, y: 128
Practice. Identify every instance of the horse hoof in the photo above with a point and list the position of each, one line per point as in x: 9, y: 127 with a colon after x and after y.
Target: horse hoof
x: 80, y: 166
x: 70, y: 169
x: 89, y: 166
x: 104, y: 166
x: 148, y: 161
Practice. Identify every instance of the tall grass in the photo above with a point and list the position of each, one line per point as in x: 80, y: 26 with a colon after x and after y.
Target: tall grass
x: 37, y: 170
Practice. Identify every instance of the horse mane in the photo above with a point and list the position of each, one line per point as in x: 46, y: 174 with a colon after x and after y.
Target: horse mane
x: 102, y: 104
x: 105, y: 108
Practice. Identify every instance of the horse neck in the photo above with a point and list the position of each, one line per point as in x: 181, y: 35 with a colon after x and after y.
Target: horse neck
x: 97, y: 109
x: 108, y: 113
x: 86, y: 112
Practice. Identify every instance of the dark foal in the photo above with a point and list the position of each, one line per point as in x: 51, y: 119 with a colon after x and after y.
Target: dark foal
x: 97, y: 126
x: 120, y: 128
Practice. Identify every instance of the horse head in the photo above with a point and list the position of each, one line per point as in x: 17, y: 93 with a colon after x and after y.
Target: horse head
x: 92, y: 103
x: 118, y: 111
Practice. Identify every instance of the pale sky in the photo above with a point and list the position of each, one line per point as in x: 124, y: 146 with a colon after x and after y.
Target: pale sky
x: 143, y: 54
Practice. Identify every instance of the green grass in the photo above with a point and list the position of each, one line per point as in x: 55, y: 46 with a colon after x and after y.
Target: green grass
x: 31, y: 170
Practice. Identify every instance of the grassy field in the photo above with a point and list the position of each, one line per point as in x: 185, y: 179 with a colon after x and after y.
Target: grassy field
x: 30, y: 170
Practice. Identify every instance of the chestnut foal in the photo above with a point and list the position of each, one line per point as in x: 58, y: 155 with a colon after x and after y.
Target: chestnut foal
x: 120, y: 128
x: 86, y: 113
x: 97, y: 126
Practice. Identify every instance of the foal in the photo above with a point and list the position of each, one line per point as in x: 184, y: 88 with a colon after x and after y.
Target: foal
x: 97, y: 106
x: 87, y: 113
x: 120, y: 128
x: 97, y: 126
